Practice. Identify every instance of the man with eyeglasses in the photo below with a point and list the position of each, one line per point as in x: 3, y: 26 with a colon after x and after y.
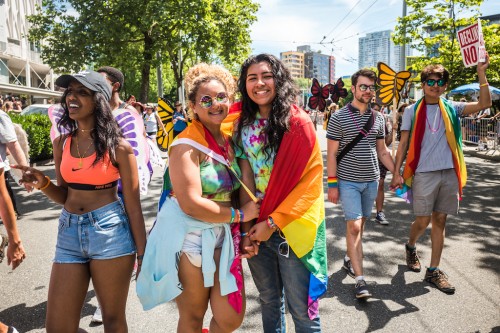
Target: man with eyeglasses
x: 434, y: 174
x: 355, y: 143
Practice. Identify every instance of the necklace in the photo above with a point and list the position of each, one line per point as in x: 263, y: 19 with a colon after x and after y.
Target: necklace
x: 436, y: 117
x: 86, y: 130
x: 361, y: 130
x: 80, y: 162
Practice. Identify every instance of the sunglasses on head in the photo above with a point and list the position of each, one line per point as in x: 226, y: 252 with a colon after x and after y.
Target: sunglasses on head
x: 432, y: 82
x: 364, y: 87
x: 207, y: 101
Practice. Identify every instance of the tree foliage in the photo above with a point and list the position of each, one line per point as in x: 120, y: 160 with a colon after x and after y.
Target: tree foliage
x: 431, y: 28
x: 129, y: 34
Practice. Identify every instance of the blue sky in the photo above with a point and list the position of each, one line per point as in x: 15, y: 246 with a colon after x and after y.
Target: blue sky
x: 285, y: 24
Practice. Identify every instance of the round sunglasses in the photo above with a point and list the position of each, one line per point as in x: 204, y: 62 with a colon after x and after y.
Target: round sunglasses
x: 207, y: 101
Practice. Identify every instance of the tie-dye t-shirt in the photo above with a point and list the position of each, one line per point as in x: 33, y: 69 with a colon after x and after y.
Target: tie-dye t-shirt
x: 253, y: 139
x: 217, y: 182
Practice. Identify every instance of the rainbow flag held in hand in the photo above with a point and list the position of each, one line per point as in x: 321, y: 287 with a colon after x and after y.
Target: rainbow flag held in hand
x: 453, y: 133
x: 295, y: 200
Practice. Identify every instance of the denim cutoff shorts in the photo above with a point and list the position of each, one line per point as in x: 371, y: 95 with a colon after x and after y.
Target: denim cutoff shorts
x: 357, y: 198
x: 100, y: 234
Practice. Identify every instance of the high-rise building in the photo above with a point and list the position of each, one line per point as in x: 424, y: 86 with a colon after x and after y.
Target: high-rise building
x: 22, y: 71
x: 378, y: 47
x: 332, y: 69
x: 317, y: 65
x: 294, y: 61
x: 305, y: 63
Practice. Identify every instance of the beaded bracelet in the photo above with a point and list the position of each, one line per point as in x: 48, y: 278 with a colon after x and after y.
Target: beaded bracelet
x: 270, y: 223
x: 244, y: 234
x: 333, y: 182
x: 232, y: 215
x: 241, y: 215
x: 46, y: 185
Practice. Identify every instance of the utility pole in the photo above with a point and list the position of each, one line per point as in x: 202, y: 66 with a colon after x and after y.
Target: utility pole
x: 180, y: 91
x: 159, y: 74
x: 403, y: 47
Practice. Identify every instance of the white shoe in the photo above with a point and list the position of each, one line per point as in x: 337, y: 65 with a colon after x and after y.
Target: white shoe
x: 97, y: 317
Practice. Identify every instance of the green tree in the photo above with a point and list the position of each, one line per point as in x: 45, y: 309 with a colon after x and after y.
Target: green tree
x: 431, y: 28
x: 128, y: 34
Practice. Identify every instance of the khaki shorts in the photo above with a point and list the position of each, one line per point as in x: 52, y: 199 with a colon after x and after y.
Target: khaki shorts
x: 435, y: 191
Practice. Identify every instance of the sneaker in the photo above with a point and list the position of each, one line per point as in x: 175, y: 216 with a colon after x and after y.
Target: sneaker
x: 412, y: 260
x: 439, y: 278
x: 362, y: 290
x: 4, y: 241
x: 97, y: 317
x: 348, y: 268
x: 380, y: 218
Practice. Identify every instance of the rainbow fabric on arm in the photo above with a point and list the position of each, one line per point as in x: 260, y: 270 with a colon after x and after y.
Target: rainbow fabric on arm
x: 453, y: 137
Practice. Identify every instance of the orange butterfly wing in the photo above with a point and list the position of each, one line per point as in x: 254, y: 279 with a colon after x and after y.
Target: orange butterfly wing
x: 165, y: 111
x: 391, y: 83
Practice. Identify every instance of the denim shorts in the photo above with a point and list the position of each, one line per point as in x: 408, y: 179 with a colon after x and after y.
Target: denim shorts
x: 357, y: 198
x: 100, y: 234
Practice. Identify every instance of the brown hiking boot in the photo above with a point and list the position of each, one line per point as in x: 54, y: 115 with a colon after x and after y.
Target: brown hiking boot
x: 412, y: 259
x: 439, y: 278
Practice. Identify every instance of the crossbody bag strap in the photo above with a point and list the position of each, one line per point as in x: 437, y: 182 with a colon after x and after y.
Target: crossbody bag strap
x: 366, y: 129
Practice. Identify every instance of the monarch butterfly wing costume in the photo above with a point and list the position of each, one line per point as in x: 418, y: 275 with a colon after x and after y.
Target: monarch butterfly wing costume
x: 166, y: 112
x: 337, y: 91
x: 319, y: 95
x: 391, y: 83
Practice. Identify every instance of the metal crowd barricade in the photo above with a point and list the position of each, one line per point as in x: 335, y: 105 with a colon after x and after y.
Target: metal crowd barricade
x: 483, y: 132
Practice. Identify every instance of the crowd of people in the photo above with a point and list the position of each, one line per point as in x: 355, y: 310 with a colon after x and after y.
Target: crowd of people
x: 244, y: 181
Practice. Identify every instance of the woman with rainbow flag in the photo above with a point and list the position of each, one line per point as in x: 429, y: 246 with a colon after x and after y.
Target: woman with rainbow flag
x: 435, y: 173
x: 192, y: 254
x: 285, y: 162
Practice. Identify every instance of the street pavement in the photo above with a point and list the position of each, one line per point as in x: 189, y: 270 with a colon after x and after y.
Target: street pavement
x: 402, y: 301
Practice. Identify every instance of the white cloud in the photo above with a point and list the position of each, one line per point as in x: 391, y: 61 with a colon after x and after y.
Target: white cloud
x: 285, y: 24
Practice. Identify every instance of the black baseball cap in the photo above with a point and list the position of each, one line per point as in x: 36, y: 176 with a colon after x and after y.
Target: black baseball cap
x: 90, y: 79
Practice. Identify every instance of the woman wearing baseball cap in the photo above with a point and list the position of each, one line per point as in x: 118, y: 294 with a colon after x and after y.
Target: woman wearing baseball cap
x: 99, y: 235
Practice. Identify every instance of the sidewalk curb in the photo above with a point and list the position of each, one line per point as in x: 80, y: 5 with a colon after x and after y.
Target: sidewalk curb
x: 483, y: 155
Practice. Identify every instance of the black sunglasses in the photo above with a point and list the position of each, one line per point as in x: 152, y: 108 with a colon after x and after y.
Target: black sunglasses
x: 432, y: 82
x: 364, y: 87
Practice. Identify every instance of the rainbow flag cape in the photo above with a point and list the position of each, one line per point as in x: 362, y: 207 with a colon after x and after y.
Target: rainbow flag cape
x: 197, y: 136
x: 295, y: 200
x: 453, y: 133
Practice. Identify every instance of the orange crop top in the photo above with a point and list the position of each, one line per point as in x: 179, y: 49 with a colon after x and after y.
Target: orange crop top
x: 86, y: 176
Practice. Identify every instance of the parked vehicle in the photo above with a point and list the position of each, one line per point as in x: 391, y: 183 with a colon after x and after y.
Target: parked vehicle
x: 36, y: 109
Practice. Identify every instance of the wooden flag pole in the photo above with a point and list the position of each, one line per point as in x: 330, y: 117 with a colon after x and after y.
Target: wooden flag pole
x: 394, y: 115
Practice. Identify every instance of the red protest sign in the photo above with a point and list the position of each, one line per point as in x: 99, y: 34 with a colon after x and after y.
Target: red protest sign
x: 471, y: 44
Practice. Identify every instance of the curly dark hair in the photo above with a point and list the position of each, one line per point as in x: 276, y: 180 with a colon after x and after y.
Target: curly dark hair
x: 106, y: 132
x: 279, y: 117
